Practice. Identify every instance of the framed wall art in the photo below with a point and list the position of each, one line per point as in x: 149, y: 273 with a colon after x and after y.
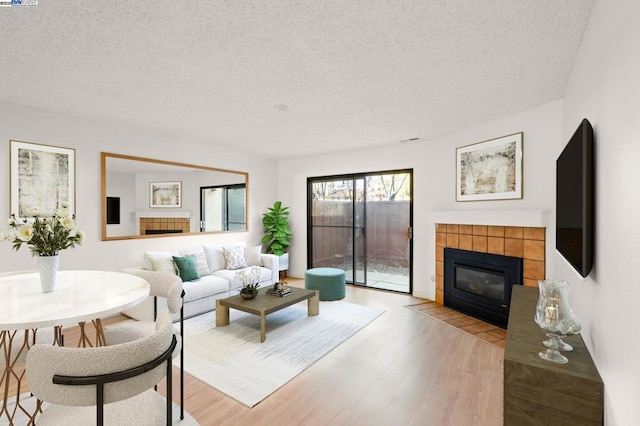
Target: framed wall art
x: 42, y: 177
x: 165, y: 194
x: 490, y: 170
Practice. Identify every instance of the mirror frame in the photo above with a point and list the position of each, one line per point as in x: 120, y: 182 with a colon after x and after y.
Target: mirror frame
x: 103, y: 183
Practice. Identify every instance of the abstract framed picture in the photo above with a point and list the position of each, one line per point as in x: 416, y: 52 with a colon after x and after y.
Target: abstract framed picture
x: 165, y: 194
x: 43, y: 177
x: 490, y: 170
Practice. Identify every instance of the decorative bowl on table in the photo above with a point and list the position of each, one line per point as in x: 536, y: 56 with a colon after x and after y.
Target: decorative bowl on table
x: 248, y: 295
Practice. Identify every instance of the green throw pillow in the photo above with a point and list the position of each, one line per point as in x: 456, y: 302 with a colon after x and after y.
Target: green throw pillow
x: 187, y: 267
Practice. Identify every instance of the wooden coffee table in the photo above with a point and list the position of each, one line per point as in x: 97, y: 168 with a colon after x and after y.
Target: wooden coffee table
x: 264, y: 304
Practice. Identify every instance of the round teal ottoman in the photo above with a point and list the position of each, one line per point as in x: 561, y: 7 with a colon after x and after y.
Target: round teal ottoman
x: 330, y: 282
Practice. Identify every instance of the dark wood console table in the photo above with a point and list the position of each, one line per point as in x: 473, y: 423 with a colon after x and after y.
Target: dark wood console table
x: 539, y: 392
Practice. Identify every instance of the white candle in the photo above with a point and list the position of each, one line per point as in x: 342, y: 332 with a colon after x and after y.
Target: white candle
x: 551, y: 315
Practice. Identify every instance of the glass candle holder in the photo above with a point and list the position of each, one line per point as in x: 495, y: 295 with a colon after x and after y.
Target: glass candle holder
x: 554, y: 315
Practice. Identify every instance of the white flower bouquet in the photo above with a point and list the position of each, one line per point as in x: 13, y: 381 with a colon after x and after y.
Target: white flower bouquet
x: 249, y: 279
x: 45, y: 236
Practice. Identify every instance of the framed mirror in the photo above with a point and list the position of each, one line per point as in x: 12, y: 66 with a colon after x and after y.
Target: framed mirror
x: 146, y: 198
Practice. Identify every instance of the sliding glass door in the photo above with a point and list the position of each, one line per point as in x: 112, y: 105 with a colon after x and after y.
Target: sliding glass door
x: 362, y: 223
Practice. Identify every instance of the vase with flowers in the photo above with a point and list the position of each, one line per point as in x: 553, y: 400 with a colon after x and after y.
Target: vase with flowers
x: 46, y: 237
x: 250, y: 281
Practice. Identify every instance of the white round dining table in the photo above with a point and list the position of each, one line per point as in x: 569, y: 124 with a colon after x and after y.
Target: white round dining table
x: 79, y: 297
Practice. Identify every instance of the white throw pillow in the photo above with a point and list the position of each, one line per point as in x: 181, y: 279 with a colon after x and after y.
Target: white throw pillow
x: 146, y: 258
x: 201, y: 260
x: 215, y: 258
x: 252, y: 256
x: 234, y: 257
x: 163, y: 264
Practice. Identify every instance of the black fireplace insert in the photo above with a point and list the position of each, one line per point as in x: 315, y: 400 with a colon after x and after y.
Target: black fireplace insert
x: 479, y: 284
x: 162, y: 231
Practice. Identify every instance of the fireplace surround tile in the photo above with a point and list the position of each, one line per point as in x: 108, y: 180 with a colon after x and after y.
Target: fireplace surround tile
x: 533, y: 269
x: 495, y: 245
x: 465, y: 242
x: 513, y: 247
x: 495, y: 231
x: 480, y: 230
x: 480, y: 243
x: 452, y: 239
x: 514, y: 232
x: 534, y: 234
x: 466, y: 229
x: 533, y: 249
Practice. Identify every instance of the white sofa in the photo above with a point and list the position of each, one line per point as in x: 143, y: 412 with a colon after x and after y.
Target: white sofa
x: 215, y: 280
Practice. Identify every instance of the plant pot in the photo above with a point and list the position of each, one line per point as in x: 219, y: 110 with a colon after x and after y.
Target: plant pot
x: 48, y: 267
x: 248, y: 295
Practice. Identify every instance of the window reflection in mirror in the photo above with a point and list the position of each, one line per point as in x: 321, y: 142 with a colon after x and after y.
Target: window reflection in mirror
x: 222, y: 208
x: 202, y: 198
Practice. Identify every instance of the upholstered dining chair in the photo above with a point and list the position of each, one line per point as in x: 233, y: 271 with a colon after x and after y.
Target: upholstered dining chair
x: 110, y: 385
x: 162, y: 285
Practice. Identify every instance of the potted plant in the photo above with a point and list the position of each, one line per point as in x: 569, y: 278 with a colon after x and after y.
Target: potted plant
x: 250, y: 282
x: 249, y: 291
x: 45, y: 236
x: 277, y: 233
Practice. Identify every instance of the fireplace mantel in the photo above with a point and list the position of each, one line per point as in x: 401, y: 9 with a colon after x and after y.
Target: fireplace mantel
x: 528, y: 218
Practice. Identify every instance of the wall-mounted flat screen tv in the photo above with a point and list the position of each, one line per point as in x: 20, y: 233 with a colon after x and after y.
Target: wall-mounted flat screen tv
x: 574, y: 200
x: 113, y: 210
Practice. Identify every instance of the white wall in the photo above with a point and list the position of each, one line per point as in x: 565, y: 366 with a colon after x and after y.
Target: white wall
x: 433, y: 163
x: 89, y: 138
x: 605, y: 88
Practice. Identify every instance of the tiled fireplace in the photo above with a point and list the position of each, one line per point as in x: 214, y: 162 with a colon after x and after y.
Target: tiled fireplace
x: 160, y: 225
x: 527, y: 243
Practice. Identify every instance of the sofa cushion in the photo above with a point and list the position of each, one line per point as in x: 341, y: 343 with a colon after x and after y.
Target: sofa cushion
x: 201, y: 259
x: 186, y: 266
x: 252, y: 256
x: 234, y: 258
x: 204, y: 287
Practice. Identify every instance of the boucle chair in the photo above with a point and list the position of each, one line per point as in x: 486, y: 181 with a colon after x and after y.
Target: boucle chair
x: 110, y: 385
x: 163, y: 285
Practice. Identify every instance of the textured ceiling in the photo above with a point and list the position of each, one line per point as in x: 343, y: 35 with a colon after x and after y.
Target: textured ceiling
x: 351, y: 73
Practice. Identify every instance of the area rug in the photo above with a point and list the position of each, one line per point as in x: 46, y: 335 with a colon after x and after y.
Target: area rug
x: 232, y: 359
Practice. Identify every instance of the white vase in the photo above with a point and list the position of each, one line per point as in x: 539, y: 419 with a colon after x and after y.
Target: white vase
x: 48, y: 267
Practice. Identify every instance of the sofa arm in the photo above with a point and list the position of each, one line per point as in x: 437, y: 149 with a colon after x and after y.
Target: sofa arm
x: 271, y: 261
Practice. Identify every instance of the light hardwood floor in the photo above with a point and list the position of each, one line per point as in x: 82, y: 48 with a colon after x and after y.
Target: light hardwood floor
x: 402, y: 369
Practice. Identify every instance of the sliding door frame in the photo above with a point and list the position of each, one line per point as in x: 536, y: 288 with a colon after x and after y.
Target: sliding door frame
x: 354, y: 177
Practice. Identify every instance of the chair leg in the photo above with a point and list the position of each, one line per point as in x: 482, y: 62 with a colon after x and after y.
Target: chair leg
x: 182, y: 361
x: 100, y: 404
x: 169, y: 392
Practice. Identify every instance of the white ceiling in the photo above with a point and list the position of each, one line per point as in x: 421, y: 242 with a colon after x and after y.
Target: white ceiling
x: 352, y: 74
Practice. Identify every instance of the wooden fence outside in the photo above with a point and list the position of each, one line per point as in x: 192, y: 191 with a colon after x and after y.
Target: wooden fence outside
x: 385, y: 233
